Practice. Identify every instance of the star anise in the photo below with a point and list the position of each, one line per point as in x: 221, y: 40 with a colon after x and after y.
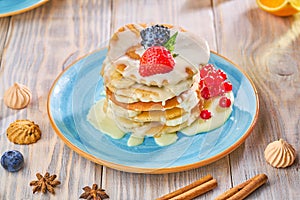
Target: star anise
x: 44, y: 183
x: 93, y: 193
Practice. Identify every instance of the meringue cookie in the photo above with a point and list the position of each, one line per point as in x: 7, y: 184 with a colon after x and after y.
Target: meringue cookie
x: 17, y: 96
x: 280, y: 154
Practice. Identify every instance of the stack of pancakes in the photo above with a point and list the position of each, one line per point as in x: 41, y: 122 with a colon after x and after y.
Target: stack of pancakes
x: 157, y: 104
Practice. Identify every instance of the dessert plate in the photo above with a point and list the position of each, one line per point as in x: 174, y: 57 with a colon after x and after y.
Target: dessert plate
x: 79, y: 86
x: 13, y: 7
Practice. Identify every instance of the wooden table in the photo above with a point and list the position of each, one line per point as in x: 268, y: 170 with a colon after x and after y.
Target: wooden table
x: 36, y: 46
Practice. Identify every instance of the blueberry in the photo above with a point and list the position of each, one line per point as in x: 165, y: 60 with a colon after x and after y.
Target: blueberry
x: 156, y: 35
x: 12, y: 160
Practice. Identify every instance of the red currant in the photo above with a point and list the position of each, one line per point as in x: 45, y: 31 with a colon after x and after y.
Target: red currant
x: 213, y: 82
x: 222, y: 74
x: 206, y: 70
x: 227, y: 86
x: 205, y: 114
x: 209, y: 80
x: 218, y: 80
x: 205, y: 93
x: 224, y: 102
x: 214, y: 90
x: 201, y: 84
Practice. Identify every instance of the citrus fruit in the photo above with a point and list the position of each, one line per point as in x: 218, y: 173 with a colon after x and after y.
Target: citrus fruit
x: 280, y: 7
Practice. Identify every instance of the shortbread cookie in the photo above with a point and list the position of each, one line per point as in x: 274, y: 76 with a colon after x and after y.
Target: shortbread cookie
x: 23, y: 132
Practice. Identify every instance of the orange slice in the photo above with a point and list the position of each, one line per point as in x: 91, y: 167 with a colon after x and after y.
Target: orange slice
x: 280, y: 7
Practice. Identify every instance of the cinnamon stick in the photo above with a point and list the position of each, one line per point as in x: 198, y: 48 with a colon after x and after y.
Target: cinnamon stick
x: 197, y: 191
x: 244, y: 189
x: 233, y: 190
x: 197, y: 188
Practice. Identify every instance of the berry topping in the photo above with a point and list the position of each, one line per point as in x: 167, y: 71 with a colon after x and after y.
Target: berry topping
x: 205, y: 114
x: 156, y: 60
x: 227, y: 86
x: 224, y: 102
x: 213, y: 82
x: 12, y: 161
x: 156, y: 35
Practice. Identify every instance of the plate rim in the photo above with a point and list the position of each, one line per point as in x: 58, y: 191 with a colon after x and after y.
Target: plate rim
x: 133, y: 169
x: 19, y: 11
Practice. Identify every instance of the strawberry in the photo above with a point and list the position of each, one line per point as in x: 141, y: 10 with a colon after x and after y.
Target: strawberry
x: 156, y: 60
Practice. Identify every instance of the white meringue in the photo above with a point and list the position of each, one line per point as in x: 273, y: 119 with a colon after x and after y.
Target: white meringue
x: 280, y: 154
x: 17, y: 96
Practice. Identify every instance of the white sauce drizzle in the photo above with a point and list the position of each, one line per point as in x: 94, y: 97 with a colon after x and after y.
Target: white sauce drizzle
x: 219, y: 117
x: 166, y: 139
x: 105, y: 123
x: 102, y: 121
x: 134, y: 141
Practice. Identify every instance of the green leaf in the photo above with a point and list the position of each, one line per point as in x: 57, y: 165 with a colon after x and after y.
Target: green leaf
x: 175, y: 55
x: 170, y: 44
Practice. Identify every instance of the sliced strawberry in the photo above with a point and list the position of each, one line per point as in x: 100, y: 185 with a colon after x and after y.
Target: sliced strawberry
x: 156, y: 60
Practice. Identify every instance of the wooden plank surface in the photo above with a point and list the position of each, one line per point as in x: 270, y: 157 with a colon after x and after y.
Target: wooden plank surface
x: 37, y: 45
x: 269, y: 53
x: 40, y: 44
x: 4, y: 24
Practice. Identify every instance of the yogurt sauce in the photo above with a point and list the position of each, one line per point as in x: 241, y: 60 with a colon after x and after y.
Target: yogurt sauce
x: 219, y: 117
x: 104, y: 122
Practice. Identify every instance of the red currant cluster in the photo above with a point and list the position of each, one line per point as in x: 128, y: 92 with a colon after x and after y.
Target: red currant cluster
x: 213, y: 83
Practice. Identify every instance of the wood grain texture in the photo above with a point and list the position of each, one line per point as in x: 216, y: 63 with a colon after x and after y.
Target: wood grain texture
x: 4, y: 24
x: 37, y: 45
x: 267, y: 51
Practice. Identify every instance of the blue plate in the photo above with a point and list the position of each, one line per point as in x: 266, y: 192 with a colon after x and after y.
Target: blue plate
x: 80, y: 86
x: 13, y: 7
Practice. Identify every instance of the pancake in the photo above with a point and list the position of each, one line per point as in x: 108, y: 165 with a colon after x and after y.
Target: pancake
x: 156, y: 128
x: 153, y: 115
x: 130, y: 91
x: 125, y: 49
x: 176, y: 101
x: 158, y: 104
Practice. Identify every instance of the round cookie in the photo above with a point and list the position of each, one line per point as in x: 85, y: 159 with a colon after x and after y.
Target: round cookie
x: 23, y: 132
